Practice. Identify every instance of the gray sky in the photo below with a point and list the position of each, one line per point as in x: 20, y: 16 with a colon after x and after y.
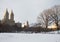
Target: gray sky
x: 26, y: 9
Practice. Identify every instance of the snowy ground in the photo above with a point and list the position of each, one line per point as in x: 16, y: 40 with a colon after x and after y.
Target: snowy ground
x: 23, y: 37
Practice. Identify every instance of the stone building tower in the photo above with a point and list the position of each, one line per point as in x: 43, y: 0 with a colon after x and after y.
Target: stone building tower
x: 12, y: 16
x: 27, y: 24
x: 6, y: 18
x: 12, y: 22
x: 6, y: 15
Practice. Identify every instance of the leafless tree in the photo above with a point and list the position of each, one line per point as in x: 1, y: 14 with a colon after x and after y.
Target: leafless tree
x: 44, y: 18
x: 56, y: 14
x: 49, y: 16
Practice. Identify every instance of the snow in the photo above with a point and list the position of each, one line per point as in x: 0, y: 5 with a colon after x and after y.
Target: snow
x: 34, y: 37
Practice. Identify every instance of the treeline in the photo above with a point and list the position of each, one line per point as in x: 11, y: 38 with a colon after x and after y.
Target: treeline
x: 15, y: 28
x: 39, y: 29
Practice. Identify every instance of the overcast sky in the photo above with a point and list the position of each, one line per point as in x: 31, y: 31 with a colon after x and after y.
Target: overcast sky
x: 26, y: 9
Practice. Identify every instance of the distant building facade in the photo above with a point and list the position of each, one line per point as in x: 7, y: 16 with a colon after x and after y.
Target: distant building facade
x: 9, y: 20
x: 6, y: 19
x: 25, y: 25
x: 18, y: 24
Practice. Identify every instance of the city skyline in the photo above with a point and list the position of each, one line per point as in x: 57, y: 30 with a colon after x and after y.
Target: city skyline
x: 26, y: 10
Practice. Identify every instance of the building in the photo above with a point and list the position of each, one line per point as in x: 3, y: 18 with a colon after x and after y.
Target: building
x: 6, y: 19
x: 18, y: 24
x: 25, y: 25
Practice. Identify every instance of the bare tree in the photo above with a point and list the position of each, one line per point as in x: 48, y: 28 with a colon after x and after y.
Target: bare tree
x: 56, y: 15
x: 49, y: 16
x: 44, y: 18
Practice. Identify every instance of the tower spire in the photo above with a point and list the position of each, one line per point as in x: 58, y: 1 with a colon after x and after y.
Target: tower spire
x: 12, y: 22
x: 6, y: 14
x: 12, y: 16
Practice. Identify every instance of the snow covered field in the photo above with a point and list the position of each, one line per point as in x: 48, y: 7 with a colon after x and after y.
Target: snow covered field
x: 23, y: 37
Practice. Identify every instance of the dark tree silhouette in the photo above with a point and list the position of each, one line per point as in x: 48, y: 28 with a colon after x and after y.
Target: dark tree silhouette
x: 49, y: 16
